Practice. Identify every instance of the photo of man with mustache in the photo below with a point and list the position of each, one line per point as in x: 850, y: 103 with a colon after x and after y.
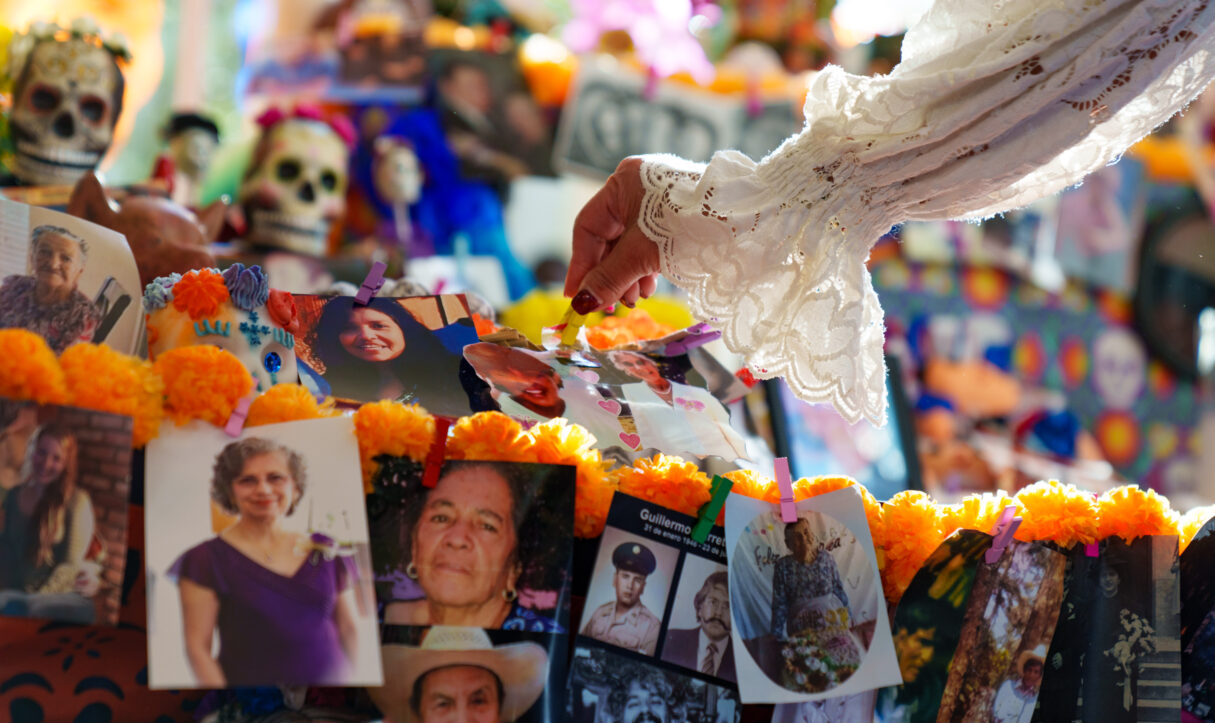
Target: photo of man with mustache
x: 706, y: 647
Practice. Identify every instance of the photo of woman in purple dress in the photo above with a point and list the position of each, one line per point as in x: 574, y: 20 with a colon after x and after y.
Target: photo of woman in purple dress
x: 282, y: 611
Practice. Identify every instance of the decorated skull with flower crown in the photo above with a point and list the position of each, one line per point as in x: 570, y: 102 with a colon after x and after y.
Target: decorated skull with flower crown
x: 235, y: 310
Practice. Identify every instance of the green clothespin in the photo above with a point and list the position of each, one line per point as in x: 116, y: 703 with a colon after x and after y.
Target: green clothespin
x: 707, y: 516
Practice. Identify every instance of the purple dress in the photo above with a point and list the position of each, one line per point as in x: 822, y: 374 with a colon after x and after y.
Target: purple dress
x: 273, y: 630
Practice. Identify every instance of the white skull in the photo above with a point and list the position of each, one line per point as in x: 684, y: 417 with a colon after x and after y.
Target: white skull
x: 297, y: 188
x: 1119, y: 368
x: 65, y: 104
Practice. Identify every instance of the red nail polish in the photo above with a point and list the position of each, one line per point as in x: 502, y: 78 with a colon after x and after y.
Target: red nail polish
x: 585, y: 302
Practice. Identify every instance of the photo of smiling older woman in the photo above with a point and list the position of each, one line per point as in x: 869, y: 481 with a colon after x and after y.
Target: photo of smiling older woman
x: 273, y: 596
x: 403, y: 349
x: 66, y: 280
x: 488, y: 546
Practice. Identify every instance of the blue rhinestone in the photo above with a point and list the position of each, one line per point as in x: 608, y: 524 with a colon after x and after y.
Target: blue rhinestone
x: 273, y: 362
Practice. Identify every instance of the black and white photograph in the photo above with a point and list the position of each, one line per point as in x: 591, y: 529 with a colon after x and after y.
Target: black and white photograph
x: 698, y: 631
x: 628, y: 593
x: 606, y: 687
x: 257, y: 558
x: 809, y: 618
x: 67, y: 280
x: 64, y: 478
x: 488, y: 546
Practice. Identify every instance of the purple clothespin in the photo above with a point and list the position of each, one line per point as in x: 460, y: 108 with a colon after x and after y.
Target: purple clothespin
x: 371, y: 284
x: 236, y: 422
x: 784, y: 481
x: 1002, y: 534
x: 694, y: 336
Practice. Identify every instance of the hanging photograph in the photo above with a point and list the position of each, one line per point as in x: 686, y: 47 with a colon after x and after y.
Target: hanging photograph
x: 628, y: 592
x: 489, y: 545
x: 446, y: 673
x: 64, y: 477
x: 1198, y: 625
x: 257, y: 558
x: 404, y: 349
x: 67, y: 280
x: 605, y: 686
x: 809, y: 620
x: 627, y: 399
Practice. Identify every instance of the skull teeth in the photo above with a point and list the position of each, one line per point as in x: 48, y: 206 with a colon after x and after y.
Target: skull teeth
x: 58, y: 156
x: 289, y: 224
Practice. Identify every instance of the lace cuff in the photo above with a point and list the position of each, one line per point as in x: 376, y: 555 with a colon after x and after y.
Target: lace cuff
x: 994, y: 105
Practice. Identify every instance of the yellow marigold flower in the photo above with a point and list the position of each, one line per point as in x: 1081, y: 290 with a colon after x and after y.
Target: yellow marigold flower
x: 977, y: 512
x: 489, y: 435
x: 202, y: 382
x: 1129, y: 512
x: 668, y: 481
x: 99, y: 377
x: 394, y: 429
x: 1063, y: 514
x: 913, y: 529
x: 29, y: 369
x: 1192, y: 522
x: 287, y: 403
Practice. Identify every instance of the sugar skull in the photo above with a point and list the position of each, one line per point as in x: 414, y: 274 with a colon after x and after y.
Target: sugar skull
x: 236, y: 311
x: 295, y: 189
x: 1119, y: 368
x: 66, y: 100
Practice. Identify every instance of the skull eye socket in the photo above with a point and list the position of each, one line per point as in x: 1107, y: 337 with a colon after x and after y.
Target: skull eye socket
x: 44, y: 98
x: 93, y: 109
x: 329, y: 180
x: 287, y: 170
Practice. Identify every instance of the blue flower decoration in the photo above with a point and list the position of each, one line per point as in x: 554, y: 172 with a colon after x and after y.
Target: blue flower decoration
x: 159, y: 292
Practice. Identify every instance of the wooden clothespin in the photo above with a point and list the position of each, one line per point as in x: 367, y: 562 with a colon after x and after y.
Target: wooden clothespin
x: 1002, y: 533
x: 372, y: 284
x: 437, y: 453
x: 784, y: 481
x: 707, y: 517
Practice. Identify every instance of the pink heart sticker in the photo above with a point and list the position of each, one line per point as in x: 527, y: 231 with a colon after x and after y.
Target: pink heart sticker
x: 611, y: 405
x: 590, y: 376
x: 633, y: 440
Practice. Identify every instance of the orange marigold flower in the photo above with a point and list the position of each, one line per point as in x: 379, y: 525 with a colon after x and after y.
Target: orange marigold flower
x: 394, y: 429
x: 1192, y: 522
x: 560, y: 442
x: 977, y: 512
x: 667, y: 481
x: 99, y: 377
x: 748, y: 483
x: 616, y: 331
x: 202, y: 382
x: 489, y: 435
x: 29, y: 369
x: 1063, y: 514
x: 200, y: 293
x: 1129, y: 512
x: 913, y: 529
x: 287, y: 403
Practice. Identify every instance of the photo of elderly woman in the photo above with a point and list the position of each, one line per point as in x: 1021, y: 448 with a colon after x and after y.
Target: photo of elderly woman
x: 806, y: 601
x: 449, y: 674
x: 402, y: 349
x: 488, y: 546
x: 66, y: 280
x: 63, y: 526
x: 277, y: 595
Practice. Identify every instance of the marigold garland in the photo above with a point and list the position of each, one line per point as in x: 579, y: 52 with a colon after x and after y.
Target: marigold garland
x: 671, y: 482
x: 99, y: 377
x: 1060, y: 513
x: 1192, y: 523
x: 1129, y: 512
x: 913, y: 530
x: 559, y: 442
x: 748, y: 483
x: 488, y: 435
x: 977, y: 512
x: 202, y: 382
x: 29, y: 369
x: 394, y: 429
x: 200, y: 293
x: 287, y: 403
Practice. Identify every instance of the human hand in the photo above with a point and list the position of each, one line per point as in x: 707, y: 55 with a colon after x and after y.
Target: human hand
x: 613, y: 260
x: 88, y: 580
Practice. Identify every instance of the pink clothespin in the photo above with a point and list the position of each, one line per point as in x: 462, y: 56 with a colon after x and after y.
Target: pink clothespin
x: 755, y: 104
x: 372, y: 284
x: 1091, y: 550
x: 651, y: 84
x: 784, y: 481
x: 437, y: 453
x: 236, y: 422
x: 1002, y: 534
x: 695, y: 336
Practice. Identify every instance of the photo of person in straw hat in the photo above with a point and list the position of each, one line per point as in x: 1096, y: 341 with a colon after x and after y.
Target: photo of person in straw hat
x: 1015, y: 699
x: 457, y: 675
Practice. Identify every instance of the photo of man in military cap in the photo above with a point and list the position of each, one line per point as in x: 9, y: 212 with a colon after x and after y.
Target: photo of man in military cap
x: 626, y: 622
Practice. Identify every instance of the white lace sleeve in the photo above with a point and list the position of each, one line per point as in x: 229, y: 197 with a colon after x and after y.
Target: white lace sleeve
x: 994, y: 105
